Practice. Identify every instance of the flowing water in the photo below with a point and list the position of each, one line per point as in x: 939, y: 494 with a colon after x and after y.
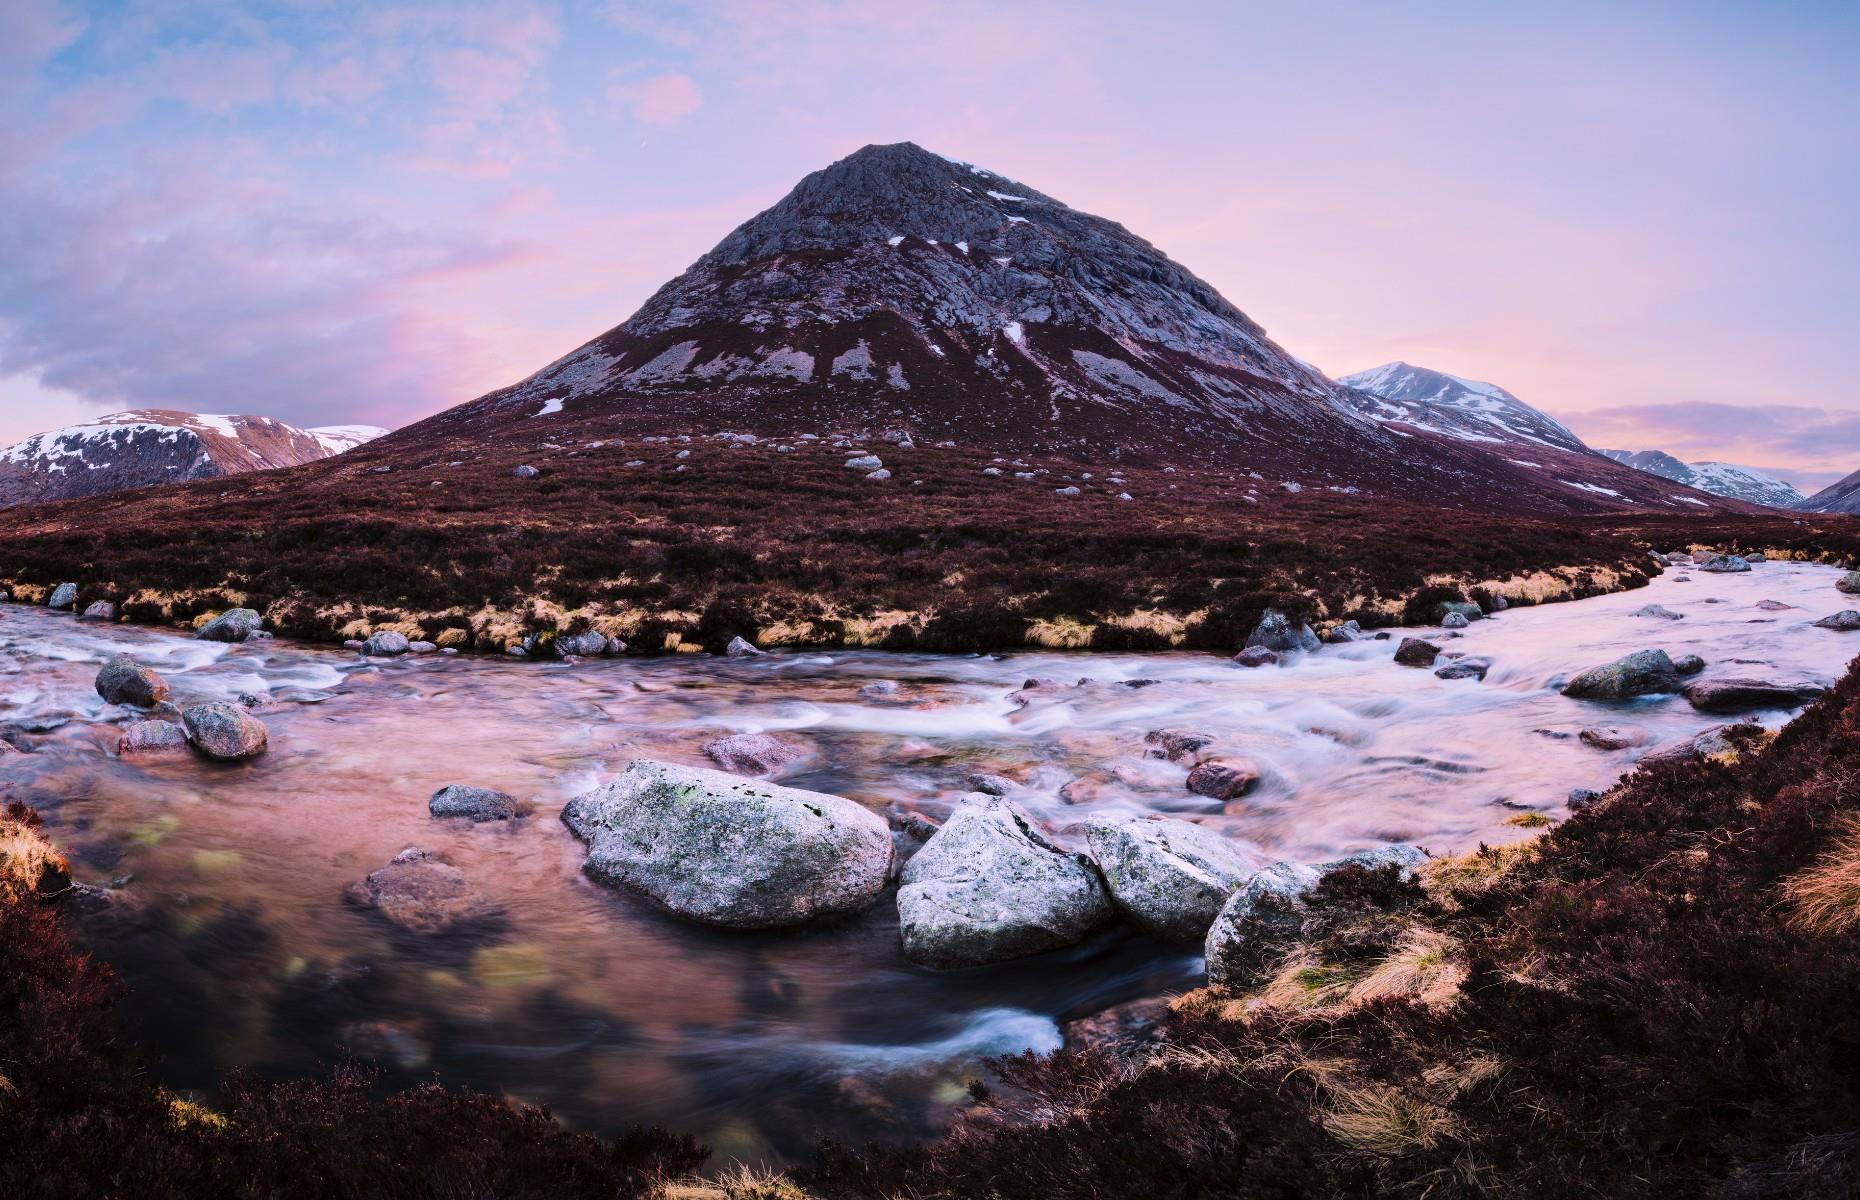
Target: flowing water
x: 229, y: 921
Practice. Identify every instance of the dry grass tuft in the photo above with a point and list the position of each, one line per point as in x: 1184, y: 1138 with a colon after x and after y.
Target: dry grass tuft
x: 1381, y: 1120
x: 1825, y: 898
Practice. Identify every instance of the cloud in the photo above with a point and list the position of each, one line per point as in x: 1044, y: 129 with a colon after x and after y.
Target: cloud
x: 662, y: 100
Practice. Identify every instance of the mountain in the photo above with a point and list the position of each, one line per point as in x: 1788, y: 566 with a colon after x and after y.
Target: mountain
x: 1720, y: 479
x: 900, y: 290
x: 1466, y: 409
x: 1842, y: 496
x: 149, y: 446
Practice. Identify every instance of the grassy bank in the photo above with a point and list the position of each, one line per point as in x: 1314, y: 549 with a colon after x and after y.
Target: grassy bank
x: 785, y: 549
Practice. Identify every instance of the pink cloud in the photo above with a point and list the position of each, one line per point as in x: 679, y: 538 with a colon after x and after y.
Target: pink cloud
x: 661, y: 100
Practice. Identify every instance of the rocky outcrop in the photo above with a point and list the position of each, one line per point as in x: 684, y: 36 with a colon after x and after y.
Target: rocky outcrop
x: 1169, y: 877
x: 233, y: 625
x: 988, y: 887
x: 225, y: 731
x: 122, y: 680
x: 1642, y: 673
x: 728, y: 851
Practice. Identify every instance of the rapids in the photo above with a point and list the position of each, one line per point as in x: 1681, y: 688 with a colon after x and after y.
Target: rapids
x: 230, y: 927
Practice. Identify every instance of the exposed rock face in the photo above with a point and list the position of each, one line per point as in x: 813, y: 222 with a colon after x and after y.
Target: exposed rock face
x: 727, y: 851
x: 1416, y: 652
x: 150, y: 737
x: 225, y: 731
x: 1642, y: 673
x: 989, y: 887
x: 233, y: 625
x: 475, y: 804
x: 122, y: 680
x: 1278, y: 632
x: 1746, y: 695
x: 1169, y: 877
x: 154, y: 446
x: 757, y: 753
x: 422, y: 894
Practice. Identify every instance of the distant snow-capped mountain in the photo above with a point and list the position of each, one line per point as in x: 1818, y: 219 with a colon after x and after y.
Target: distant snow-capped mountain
x: 1464, y: 409
x: 1720, y: 479
x: 151, y: 446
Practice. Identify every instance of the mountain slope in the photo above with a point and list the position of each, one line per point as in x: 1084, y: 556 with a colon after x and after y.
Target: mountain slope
x: 1467, y: 409
x: 1842, y: 496
x: 151, y: 446
x: 1720, y: 479
x: 900, y: 290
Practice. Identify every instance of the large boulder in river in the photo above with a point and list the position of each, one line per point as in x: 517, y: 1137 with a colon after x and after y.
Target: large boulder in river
x: 1746, y: 695
x: 729, y: 851
x: 1256, y: 656
x: 121, y: 680
x: 1465, y: 609
x: 1169, y: 877
x: 1467, y: 666
x: 1276, y: 631
x: 63, y: 596
x: 989, y: 887
x: 1416, y: 652
x: 225, y: 731
x: 1722, y: 564
x: 98, y: 610
x: 582, y: 645
x: 476, y: 804
x: 1844, y: 620
x: 1688, y: 664
x: 1849, y: 583
x: 1226, y: 778
x: 421, y: 894
x: 233, y: 625
x: 1642, y: 673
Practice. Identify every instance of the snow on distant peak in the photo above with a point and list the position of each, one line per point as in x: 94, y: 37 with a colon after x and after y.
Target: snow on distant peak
x: 339, y: 438
x: 1468, y: 409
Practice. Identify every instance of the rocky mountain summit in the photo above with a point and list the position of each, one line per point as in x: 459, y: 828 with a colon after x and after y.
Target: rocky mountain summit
x: 900, y: 290
x: 153, y: 446
x: 1720, y: 479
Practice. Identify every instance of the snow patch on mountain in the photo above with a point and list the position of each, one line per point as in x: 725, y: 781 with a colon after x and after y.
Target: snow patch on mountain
x: 1717, y: 478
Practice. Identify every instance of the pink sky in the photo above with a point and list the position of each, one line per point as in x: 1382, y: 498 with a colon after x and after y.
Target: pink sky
x: 1640, y: 222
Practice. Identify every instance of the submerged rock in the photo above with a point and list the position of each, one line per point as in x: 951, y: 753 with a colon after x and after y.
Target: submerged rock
x: 421, y: 893
x: 756, y: 753
x: 1277, y: 631
x: 1226, y: 778
x: 989, y: 887
x: 64, y: 596
x: 1688, y: 664
x: 1467, y: 667
x: 1613, y: 737
x: 1773, y: 605
x: 150, y: 737
x: 1642, y: 673
x: 1169, y: 877
x: 475, y: 804
x: 1659, y: 610
x: 1174, y: 744
x: 122, y: 680
x: 728, y: 851
x: 233, y: 625
x: 1416, y: 652
x: 1349, y: 631
x: 1744, y: 695
x: 225, y: 731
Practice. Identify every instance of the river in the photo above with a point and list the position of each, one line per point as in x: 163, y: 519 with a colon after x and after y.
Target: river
x: 231, y: 929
